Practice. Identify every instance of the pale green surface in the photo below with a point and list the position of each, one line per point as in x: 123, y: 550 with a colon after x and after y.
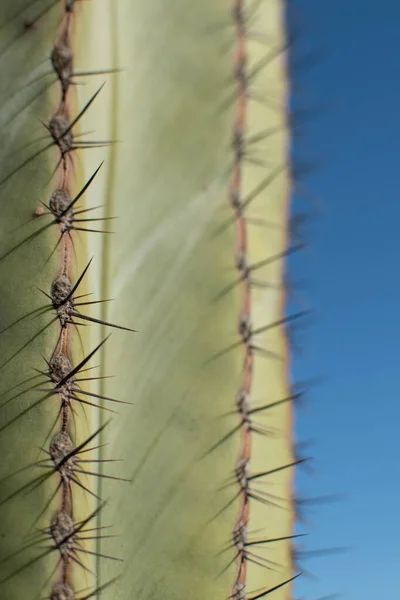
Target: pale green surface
x: 167, y: 183
x: 164, y: 272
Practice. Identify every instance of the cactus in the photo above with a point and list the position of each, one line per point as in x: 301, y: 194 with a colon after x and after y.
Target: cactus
x: 178, y: 142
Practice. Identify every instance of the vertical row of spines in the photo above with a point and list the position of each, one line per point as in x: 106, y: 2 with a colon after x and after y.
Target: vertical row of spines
x: 67, y: 533
x: 66, y: 458
x: 243, y: 76
x: 240, y: 530
x: 61, y: 446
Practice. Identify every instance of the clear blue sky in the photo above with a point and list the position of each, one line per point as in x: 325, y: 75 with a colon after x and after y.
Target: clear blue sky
x: 353, y: 268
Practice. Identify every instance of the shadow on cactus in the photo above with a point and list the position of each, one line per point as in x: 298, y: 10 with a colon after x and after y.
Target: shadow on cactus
x: 156, y: 464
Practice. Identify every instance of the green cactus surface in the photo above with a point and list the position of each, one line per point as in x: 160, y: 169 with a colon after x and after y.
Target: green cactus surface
x: 146, y: 409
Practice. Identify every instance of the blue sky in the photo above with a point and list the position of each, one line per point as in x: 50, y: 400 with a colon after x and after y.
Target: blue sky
x: 352, y: 267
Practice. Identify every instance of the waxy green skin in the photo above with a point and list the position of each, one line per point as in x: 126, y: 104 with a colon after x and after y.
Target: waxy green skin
x: 167, y: 180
